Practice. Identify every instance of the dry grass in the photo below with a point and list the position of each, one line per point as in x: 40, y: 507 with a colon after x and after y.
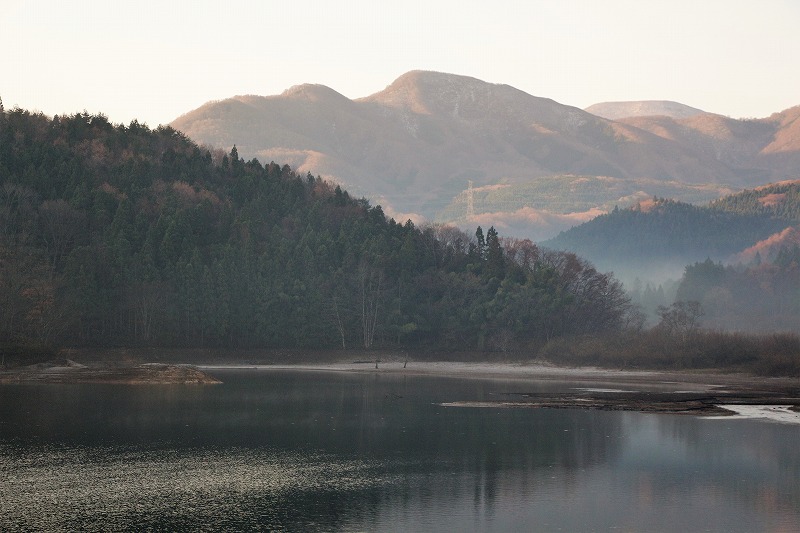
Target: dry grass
x: 764, y: 355
x: 767, y: 355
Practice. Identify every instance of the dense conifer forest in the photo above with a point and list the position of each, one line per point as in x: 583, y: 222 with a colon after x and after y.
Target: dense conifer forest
x: 764, y: 296
x: 118, y: 235
x: 777, y: 200
x: 665, y: 229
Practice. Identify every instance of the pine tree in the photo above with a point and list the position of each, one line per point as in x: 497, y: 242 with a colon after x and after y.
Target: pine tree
x: 481, y: 243
x: 495, y: 262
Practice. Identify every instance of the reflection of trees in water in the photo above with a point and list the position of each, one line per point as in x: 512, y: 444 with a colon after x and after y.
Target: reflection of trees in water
x: 453, y: 452
x: 95, y: 413
x: 399, y: 416
x: 415, y: 453
x: 521, y: 447
x: 725, y: 451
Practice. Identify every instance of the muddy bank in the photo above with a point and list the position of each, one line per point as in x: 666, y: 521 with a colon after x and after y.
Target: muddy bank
x: 694, y: 393
x: 679, y: 380
x: 113, y: 373
x: 646, y: 402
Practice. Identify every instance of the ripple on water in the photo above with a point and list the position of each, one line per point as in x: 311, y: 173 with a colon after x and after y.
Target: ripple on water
x: 64, y: 488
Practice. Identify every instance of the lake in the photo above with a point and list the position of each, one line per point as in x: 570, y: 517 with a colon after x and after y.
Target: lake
x: 288, y: 450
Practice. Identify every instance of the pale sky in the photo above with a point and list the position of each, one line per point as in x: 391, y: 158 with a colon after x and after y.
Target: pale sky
x: 155, y: 60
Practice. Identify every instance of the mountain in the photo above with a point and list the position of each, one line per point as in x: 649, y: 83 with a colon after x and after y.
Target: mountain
x: 779, y: 200
x: 643, y: 108
x: 758, y: 150
x: 539, y: 209
x: 771, y: 247
x: 114, y: 235
x: 656, y: 239
x: 415, y: 146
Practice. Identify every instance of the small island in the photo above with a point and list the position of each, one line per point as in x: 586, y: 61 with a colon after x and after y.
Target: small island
x: 69, y: 371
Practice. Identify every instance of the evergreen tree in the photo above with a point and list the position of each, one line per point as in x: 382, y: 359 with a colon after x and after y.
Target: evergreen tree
x: 145, y: 239
x: 495, y: 260
x: 481, y: 243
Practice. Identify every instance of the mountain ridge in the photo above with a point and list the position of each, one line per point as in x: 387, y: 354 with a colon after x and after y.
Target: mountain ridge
x: 416, y: 145
x: 640, y: 108
x: 662, y: 236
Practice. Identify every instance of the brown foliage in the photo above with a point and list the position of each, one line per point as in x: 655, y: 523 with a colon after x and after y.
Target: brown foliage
x: 767, y: 355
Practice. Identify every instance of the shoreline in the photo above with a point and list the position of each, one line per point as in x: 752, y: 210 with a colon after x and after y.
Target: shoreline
x: 709, y: 395
x: 526, y: 372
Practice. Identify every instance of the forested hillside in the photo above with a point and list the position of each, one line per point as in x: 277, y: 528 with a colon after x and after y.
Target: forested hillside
x: 119, y: 235
x: 420, y: 141
x: 779, y: 200
x: 759, y: 297
x: 735, y: 228
x: 540, y: 208
x: 666, y: 232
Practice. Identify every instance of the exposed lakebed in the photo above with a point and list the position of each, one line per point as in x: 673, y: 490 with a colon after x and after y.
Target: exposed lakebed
x: 702, y: 394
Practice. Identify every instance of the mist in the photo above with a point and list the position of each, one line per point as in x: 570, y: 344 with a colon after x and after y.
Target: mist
x: 758, y: 298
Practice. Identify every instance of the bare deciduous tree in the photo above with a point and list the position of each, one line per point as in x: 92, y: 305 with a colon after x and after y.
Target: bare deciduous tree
x: 145, y: 302
x: 370, y: 281
x: 681, y: 319
x: 336, y: 314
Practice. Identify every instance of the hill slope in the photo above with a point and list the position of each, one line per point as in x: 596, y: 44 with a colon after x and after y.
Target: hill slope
x: 122, y: 236
x: 415, y: 145
x: 642, y: 108
x: 658, y: 238
x: 539, y: 209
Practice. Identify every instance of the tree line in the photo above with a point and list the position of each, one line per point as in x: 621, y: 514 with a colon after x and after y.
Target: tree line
x: 779, y: 200
x: 668, y: 229
x: 116, y: 235
x: 759, y: 297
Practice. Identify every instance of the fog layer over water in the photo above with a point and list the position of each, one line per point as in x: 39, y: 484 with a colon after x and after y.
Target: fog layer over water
x: 287, y: 450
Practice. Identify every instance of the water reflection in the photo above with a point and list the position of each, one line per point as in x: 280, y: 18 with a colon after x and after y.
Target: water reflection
x: 333, y: 451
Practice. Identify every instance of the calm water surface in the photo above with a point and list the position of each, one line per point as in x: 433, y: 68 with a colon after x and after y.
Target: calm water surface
x: 322, y: 451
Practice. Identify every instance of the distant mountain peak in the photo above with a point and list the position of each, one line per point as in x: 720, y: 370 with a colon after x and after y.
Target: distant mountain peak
x: 313, y: 92
x: 419, y: 142
x: 431, y: 79
x: 426, y: 91
x: 643, y: 108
